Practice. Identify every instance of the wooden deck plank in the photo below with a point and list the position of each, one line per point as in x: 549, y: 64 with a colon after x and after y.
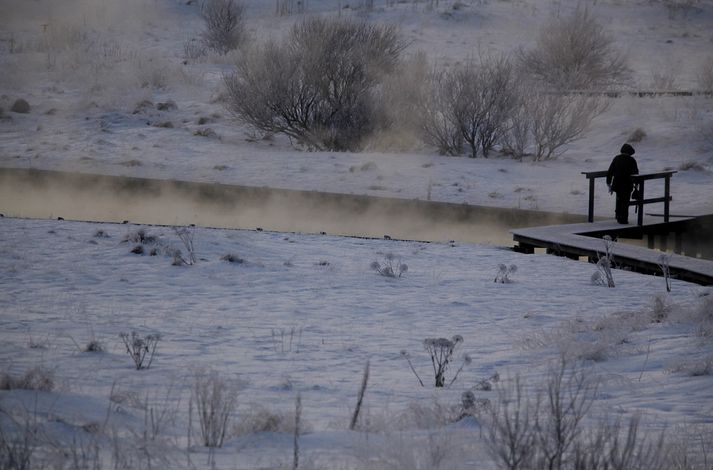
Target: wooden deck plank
x: 577, y: 239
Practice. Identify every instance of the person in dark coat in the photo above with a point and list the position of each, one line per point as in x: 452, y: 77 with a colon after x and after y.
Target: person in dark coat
x: 619, y: 181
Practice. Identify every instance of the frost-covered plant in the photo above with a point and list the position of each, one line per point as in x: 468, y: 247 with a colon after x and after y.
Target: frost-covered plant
x: 141, y: 348
x: 139, y: 236
x: 224, y: 25
x: 504, y: 272
x: 661, y: 309
x: 185, y: 235
x: 664, y: 262
x: 603, y: 275
x: 37, y: 378
x: 441, y: 351
x: 391, y: 267
x: 215, y: 400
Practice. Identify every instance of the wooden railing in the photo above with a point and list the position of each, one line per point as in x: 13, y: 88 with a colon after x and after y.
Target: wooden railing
x: 639, y: 181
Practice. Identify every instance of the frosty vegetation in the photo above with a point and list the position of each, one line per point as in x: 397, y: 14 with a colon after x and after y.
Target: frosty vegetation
x: 332, y: 83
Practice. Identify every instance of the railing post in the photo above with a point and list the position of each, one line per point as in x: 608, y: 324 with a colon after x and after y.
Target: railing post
x: 667, y: 195
x: 590, y: 215
x: 640, y: 205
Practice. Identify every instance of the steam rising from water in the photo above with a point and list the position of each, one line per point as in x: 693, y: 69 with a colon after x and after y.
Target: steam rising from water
x: 48, y: 194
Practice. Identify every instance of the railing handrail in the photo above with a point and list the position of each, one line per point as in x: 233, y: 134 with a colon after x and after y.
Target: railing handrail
x: 639, y: 181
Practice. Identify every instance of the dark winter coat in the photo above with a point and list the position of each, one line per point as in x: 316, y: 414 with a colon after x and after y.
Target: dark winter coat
x: 621, y: 169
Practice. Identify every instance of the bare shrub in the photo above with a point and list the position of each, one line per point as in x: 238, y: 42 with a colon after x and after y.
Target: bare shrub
x: 18, y: 444
x: 224, y: 25
x: 547, y: 429
x: 558, y: 120
x: 215, y: 401
x: 36, y: 378
x: 141, y: 348
x: 504, y: 272
x: 575, y: 53
x: 290, y: 7
x: 664, y: 263
x: 259, y: 419
x: 603, y: 275
x: 694, y: 367
x: 485, y: 101
x: 186, y: 236
x: 439, y: 124
x: 318, y: 87
x: 390, y: 267
x: 705, y: 75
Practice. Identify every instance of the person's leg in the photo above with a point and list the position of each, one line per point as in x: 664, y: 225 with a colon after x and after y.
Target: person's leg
x: 622, y: 207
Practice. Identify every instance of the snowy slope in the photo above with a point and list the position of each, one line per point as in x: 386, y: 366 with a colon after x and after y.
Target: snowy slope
x: 302, y: 314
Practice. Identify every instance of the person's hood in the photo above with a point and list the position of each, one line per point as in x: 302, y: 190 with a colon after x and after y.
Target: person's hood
x: 627, y: 149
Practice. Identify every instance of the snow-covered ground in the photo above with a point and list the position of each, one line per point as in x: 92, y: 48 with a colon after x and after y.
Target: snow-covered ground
x: 302, y: 314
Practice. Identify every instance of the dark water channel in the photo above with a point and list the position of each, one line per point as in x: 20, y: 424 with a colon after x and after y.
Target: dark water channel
x: 76, y: 196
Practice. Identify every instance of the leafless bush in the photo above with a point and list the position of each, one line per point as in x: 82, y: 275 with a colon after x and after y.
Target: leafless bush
x: 485, y: 100
x: 141, y: 348
x: 682, y: 7
x: 224, y: 25
x: 558, y: 119
x: 705, y: 75
x: 318, y: 87
x: 575, y: 53
x: 36, y: 378
x: 391, y: 267
x: 438, y: 120
x: 186, y: 236
x: 504, y: 273
x: 547, y: 430
x: 603, y: 275
x: 215, y: 400
x: 258, y: 419
x: 18, y: 443
x: 289, y: 7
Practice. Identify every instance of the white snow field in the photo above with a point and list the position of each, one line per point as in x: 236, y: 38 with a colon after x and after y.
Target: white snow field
x: 297, y: 315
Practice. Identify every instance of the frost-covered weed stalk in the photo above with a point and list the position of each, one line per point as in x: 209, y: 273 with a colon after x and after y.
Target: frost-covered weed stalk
x: 504, y: 272
x: 603, y: 275
x: 391, y: 267
x: 441, y: 351
x: 214, y: 400
x: 664, y: 262
x: 141, y: 348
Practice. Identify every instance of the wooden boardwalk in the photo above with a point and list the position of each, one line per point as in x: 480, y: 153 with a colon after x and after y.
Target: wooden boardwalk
x: 584, y: 240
